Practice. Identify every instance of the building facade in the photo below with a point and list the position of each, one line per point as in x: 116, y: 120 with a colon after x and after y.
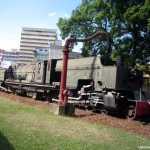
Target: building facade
x: 9, y: 58
x: 56, y: 53
x: 41, y: 54
x: 53, y: 52
x: 33, y: 38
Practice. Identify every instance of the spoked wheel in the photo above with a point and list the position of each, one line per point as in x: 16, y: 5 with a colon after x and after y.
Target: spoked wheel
x: 130, y: 112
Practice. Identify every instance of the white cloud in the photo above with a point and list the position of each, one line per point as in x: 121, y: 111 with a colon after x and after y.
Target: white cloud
x: 52, y: 14
x: 66, y: 15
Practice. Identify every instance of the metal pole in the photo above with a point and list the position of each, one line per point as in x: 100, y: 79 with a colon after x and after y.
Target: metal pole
x: 63, y: 93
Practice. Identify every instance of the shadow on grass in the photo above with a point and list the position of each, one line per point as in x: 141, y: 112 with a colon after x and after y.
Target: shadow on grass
x: 4, y: 143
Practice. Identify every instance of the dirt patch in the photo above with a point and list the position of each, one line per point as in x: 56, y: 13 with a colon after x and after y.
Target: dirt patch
x: 137, y: 127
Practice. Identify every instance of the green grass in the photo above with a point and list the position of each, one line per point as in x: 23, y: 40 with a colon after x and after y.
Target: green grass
x: 25, y: 127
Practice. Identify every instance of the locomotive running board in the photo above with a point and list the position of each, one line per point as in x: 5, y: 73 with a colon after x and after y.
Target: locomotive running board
x: 29, y: 84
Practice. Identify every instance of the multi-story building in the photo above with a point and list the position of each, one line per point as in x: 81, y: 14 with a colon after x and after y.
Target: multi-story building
x: 56, y: 53
x: 53, y: 52
x: 32, y: 38
x: 41, y: 54
x: 9, y: 58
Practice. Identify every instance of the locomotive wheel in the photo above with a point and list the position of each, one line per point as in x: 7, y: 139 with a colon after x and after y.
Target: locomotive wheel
x: 13, y: 91
x: 103, y: 111
x: 130, y: 112
x: 49, y: 99
x: 34, y: 96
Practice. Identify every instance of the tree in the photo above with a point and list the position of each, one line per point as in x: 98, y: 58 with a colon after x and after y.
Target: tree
x: 133, y: 23
x: 137, y: 24
x: 127, y: 22
x: 85, y: 20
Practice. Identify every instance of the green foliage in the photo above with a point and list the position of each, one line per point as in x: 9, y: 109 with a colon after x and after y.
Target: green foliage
x: 127, y: 22
x: 146, y: 68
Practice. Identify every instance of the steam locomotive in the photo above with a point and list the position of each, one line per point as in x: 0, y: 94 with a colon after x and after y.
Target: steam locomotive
x: 91, y: 82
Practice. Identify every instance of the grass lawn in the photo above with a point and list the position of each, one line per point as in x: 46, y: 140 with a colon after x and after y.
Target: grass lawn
x: 24, y: 127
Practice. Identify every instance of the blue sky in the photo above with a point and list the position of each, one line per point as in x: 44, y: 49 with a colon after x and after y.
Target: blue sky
x: 15, y: 14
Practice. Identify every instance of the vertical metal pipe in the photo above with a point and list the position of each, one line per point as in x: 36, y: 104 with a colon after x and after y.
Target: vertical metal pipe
x: 63, y: 93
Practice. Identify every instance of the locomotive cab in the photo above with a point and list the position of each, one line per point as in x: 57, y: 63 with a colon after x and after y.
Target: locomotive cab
x: 45, y: 72
x: 9, y: 73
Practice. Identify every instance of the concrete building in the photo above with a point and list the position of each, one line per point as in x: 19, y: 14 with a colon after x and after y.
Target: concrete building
x: 41, y: 54
x: 53, y: 52
x: 56, y: 53
x: 9, y: 58
x: 32, y: 38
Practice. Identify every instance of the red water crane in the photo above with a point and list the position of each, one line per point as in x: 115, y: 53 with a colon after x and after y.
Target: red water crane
x: 63, y: 93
